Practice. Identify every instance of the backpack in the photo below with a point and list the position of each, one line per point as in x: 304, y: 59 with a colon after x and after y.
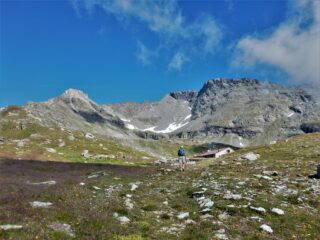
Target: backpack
x: 181, y: 152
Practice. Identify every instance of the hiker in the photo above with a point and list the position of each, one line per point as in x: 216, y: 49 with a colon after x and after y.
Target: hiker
x: 182, y: 158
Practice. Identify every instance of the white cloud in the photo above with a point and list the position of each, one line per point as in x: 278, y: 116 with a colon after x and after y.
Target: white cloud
x: 293, y: 47
x: 165, y: 19
x: 177, y: 61
x: 144, y: 55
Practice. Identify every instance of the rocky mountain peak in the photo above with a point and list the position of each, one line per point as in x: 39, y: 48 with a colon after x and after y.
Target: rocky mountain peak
x: 75, y: 93
x: 225, y: 83
x: 188, y: 96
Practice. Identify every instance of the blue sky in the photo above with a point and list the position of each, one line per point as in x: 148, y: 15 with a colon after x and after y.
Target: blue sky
x: 122, y: 50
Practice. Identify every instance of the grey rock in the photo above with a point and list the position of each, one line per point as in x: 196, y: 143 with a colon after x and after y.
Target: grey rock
x: 38, y: 204
x: 277, y: 211
x: 249, y: 157
x: 266, y: 228
x: 183, y: 215
x: 7, y: 227
x: 85, y: 153
x: 124, y: 220
x: 51, y: 150
x: 51, y: 182
x: 62, y: 227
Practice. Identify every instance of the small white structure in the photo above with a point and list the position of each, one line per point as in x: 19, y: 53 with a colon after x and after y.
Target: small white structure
x: 216, y: 153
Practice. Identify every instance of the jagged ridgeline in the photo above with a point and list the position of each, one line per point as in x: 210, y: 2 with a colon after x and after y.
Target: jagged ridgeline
x: 238, y: 112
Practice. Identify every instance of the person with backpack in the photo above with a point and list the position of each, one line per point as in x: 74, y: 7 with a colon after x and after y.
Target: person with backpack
x: 182, y: 158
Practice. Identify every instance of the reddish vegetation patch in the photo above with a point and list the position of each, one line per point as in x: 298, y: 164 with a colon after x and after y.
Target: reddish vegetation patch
x: 16, y: 176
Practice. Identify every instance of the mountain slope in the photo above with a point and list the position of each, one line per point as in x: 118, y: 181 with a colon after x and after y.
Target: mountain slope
x: 238, y: 112
x: 75, y: 110
x: 249, y: 109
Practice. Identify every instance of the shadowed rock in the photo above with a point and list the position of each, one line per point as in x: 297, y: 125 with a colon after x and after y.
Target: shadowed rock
x: 317, y: 175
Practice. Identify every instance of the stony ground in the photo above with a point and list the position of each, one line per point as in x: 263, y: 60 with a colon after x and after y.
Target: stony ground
x: 270, y: 197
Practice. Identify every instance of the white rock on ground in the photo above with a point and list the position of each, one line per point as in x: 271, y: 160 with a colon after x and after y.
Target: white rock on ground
x: 38, y: 204
x: 250, y: 156
x: 232, y: 196
x: 71, y: 138
x: 270, y: 173
x: 206, y: 216
x: 205, y: 210
x: 82, y: 184
x: 128, y: 203
x: 51, y: 150
x: 97, y: 174
x: 133, y: 186
x: 85, y: 153
x: 220, y: 234
x: 266, y: 228
x: 51, y: 182
x: 89, y: 136
x: 96, y: 188
x: 62, y: 227
x: 258, y: 209
x: 10, y: 227
x: 259, y: 219
x: 208, y: 204
x: 20, y: 143
x: 277, y: 211
x: 124, y: 220
x: 183, y: 215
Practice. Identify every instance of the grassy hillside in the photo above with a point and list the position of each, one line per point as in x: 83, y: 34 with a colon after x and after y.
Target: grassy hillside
x: 24, y: 139
x: 238, y: 190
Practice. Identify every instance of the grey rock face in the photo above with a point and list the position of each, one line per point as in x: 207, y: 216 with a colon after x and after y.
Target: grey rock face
x: 76, y: 111
x: 310, y: 127
x: 237, y: 112
x: 189, y: 96
x: 250, y: 109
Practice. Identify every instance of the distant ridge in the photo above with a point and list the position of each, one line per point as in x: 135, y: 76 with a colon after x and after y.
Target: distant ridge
x: 232, y: 111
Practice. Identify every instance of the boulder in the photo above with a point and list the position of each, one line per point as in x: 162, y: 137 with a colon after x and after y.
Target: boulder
x: 62, y: 227
x: 89, y: 136
x: 85, y: 153
x: 270, y: 173
x: 97, y: 174
x: 51, y: 150
x: 232, y: 196
x: 124, y: 220
x: 250, y: 156
x: 37, y: 204
x: 133, y: 186
x: 50, y: 182
x: 71, y: 138
x: 183, y: 215
x: 277, y: 211
x: 10, y: 227
x: 258, y: 209
x: 266, y: 228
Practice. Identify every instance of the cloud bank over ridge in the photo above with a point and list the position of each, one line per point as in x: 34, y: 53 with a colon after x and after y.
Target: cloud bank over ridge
x: 293, y: 47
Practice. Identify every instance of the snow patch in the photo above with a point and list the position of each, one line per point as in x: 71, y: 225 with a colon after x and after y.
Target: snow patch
x: 125, y: 120
x: 172, y: 127
x: 151, y: 129
x: 290, y: 114
x: 187, y: 117
x: 130, y: 126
